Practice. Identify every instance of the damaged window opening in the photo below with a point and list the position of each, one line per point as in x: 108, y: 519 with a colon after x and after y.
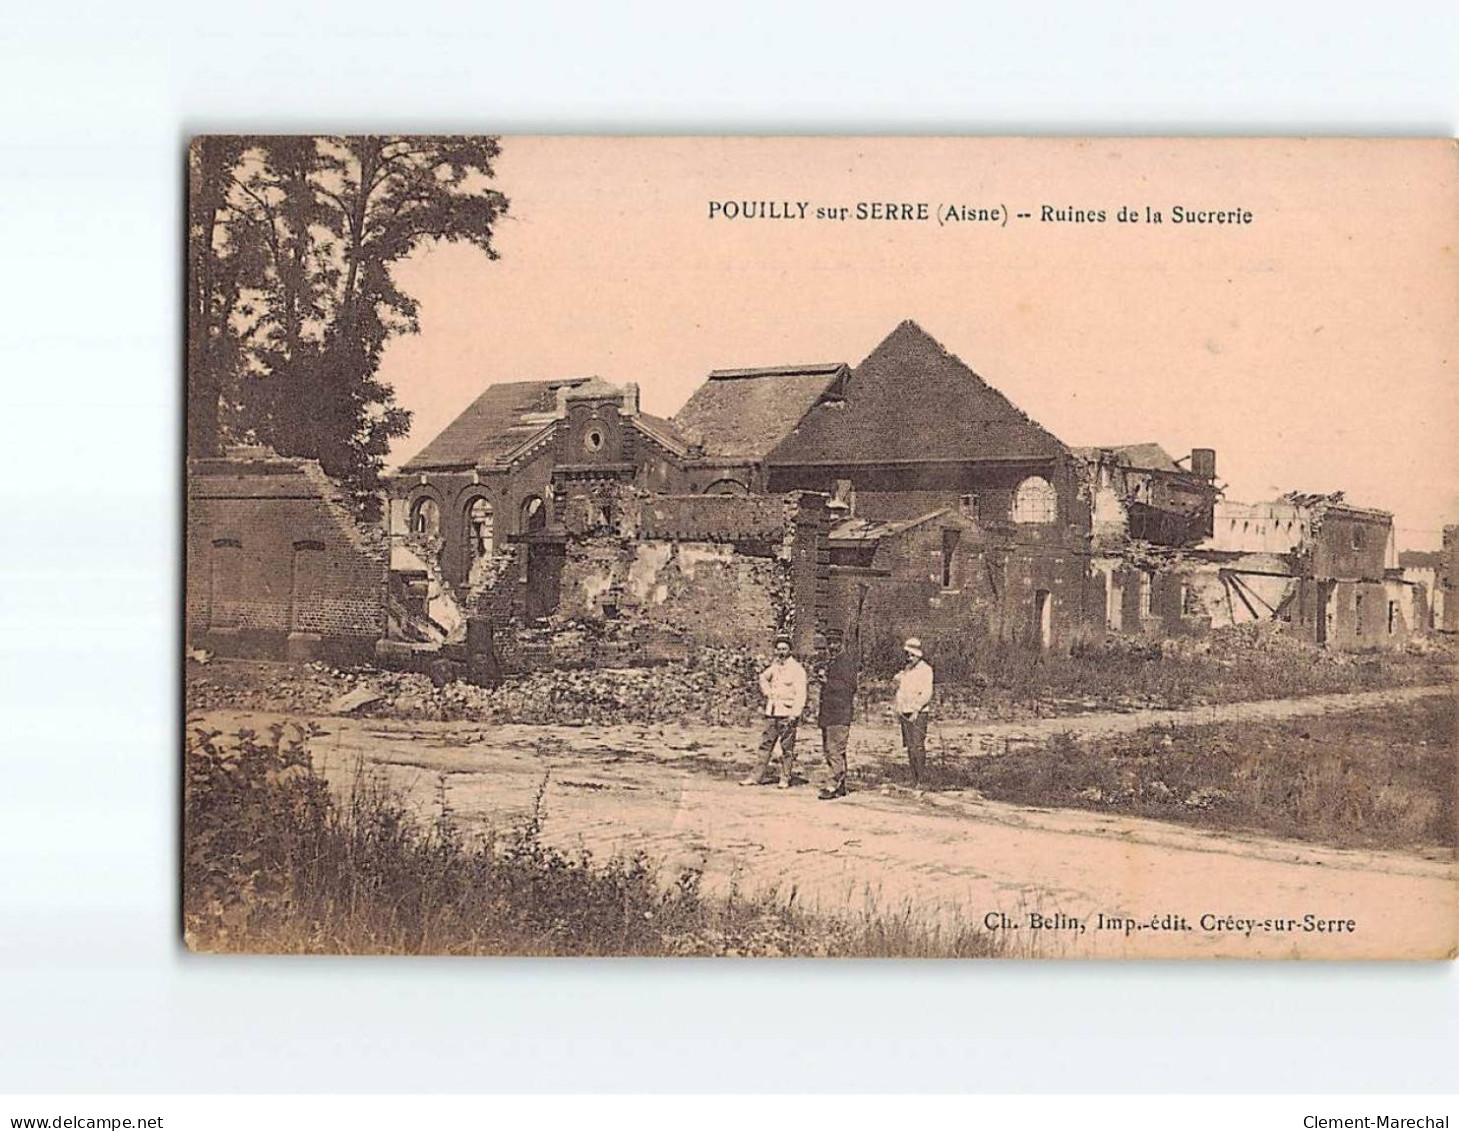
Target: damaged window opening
x: 534, y: 514
x: 1035, y: 501
x: 949, y: 551
x: 600, y: 514
x: 425, y: 518
x: 1113, y: 612
x: 479, y: 529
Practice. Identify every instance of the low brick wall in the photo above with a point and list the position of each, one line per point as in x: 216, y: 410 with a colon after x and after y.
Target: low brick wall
x: 714, y: 518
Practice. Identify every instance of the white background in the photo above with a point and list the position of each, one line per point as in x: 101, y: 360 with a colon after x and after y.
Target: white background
x: 96, y: 101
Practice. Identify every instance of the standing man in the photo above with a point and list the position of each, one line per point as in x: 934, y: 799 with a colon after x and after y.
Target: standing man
x: 913, y: 705
x: 838, y: 694
x: 783, y: 685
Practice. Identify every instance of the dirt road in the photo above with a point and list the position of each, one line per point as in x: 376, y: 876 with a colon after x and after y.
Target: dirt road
x: 1043, y: 877
x: 972, y: 737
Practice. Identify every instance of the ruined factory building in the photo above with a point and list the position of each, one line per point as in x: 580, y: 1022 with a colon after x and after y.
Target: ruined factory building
x: 1140, y: 493
x: 565, y: 498
x: 1338, y: 583
x: 487, y: 502
x: 904, y: 496
x: 1321, y: 568
x: 1147, y: 508
x: 944, y: 509
x: 496, y: 502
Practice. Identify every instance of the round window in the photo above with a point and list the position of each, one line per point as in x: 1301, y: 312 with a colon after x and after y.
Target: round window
x: 593, y: 439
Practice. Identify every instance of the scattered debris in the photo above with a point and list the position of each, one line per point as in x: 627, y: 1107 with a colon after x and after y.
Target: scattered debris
x: 718, y: 688
x: 352, y: 700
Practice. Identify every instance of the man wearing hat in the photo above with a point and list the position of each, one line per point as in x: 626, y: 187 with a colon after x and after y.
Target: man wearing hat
x: 913, y: 704
x: 838, y: 695
x: 783, y: 685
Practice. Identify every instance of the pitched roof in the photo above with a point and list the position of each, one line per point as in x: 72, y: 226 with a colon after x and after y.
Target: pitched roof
x: 911, y: 401
x: 1145, y: 457
x: 743, y: 413
x: 494, y: 424
x: 661, y: 430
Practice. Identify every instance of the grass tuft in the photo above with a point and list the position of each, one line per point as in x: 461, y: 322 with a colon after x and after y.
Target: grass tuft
x: 275, y: 863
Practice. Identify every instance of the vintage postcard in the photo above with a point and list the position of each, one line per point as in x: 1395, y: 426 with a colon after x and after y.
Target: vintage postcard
x: 906, y: 547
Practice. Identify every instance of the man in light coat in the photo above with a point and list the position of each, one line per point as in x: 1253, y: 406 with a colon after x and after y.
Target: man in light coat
x: 783, y: 684
x: 913, y: 706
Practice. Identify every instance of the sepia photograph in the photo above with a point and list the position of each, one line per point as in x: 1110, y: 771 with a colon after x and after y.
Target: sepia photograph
x: 821, y: 547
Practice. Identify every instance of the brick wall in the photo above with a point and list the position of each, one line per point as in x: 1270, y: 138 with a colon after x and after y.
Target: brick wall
x: 1351, y: 547
x: 714, y: 518
x: 996, y: 587
x: 906, y: 492
x: 534, y: 476
x: 676, y: 572
x: 277, y: 566
x: 692, y: 593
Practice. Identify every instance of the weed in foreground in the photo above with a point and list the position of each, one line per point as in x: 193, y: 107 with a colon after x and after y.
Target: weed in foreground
x: 1364, y: 778
x: 274, y: 862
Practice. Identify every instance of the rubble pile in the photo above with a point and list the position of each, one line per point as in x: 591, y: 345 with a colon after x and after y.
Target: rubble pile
x: 717, y: 687
x: 1269, y: 642
x: 1245, y: 642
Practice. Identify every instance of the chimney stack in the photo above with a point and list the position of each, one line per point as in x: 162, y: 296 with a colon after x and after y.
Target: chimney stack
x: 1203, y: 462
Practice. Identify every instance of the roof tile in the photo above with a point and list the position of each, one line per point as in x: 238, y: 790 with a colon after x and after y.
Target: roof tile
x: 493, y: 424
x: 912, y: 401
x: 743, y: 413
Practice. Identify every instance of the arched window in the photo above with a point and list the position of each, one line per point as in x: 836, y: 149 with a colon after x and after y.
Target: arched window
x: 534, y: 514
x: 1035, y: 501
x: 726, y: 487
x: 479, y: 529
x: 425, y: 518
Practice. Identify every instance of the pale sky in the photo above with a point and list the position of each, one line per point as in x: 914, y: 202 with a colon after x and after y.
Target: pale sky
x: 1314, y: 348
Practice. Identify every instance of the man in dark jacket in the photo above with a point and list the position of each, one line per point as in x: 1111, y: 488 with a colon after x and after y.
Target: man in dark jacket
x: 838, y: 693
